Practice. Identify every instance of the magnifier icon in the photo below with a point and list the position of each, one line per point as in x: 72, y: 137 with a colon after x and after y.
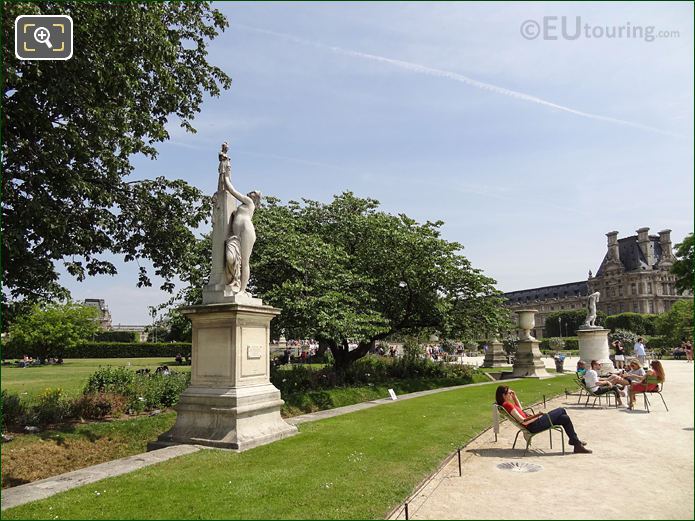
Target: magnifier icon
x: 42, y: 35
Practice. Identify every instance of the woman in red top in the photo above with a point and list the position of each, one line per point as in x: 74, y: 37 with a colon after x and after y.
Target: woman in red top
x: 656, y: 370
x: 539, y: 422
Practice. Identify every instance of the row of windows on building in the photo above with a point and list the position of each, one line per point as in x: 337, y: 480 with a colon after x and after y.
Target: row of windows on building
x: 640, y: 289
x: 621, y: 307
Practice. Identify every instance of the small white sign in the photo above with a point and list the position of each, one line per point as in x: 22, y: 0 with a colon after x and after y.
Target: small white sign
x: 254, y: 352
x: 393, y: 394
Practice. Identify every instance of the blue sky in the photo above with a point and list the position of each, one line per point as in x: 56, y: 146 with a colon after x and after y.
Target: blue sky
x: 443, y: 111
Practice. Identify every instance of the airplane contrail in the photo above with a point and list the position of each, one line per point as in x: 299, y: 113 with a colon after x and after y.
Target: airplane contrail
x: 431, y: 71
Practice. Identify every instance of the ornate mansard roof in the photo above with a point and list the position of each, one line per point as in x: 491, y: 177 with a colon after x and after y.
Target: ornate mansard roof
x: 631, y: 256
x: 559, y: 291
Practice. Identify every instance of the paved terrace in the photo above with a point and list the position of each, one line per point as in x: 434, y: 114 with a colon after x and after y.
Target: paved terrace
x: 641, y: 468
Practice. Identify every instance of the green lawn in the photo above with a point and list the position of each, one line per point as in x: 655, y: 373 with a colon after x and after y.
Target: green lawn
x: 71, y: 375
x: 355, y: 466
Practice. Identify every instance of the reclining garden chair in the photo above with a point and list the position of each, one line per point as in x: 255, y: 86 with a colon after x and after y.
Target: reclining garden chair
x: 528, y: 435
x: 652, y: 380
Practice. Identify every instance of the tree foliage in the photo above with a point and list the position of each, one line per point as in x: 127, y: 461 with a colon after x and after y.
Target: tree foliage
x: 684, y: 265
x: 677, y: 322
x: 51, y: 329
x: 639, y: 323
x: 345, y: 271
x: 571, y: 321
x: 71, y: 127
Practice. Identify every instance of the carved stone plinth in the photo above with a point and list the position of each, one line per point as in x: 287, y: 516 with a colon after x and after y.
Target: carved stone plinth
x: 527, y: 361
x: 593, y: 345
x: 495, y: 356
x: 230, y: 402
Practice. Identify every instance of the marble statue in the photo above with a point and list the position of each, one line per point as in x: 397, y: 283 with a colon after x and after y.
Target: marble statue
x: 225, y: 168
x: 591, y: 317
x: 242, y: 236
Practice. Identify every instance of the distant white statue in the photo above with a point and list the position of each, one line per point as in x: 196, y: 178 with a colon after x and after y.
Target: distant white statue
x: 591, y: 317
x: 239, y: 244
x: 225, y: 167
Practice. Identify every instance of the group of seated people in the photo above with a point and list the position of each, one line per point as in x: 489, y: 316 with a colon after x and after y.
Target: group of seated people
x: 162, y: 369
x: 28, y: 361
x: 180, y: 358
x: 626, y: 383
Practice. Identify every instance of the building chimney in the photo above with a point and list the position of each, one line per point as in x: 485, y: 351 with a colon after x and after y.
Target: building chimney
x: 646, y: 245
x: 665, y: 241
x: 613, y: 253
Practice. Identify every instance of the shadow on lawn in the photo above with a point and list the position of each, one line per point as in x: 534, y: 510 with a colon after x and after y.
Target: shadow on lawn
x: 56, y: 433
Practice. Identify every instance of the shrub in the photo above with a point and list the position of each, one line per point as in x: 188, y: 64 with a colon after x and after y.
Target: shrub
x: 13, y: 410
x: 111, y: 350
x: 50, y: 407
x: 110, y: 379
x: 116, y: 336
x: 95, y: 406
x: 367, y: 370
x: 157, y: 391
x: 142, y: 392
x: 639, y: 323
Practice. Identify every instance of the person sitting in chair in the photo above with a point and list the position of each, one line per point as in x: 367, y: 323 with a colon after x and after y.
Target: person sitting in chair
x: 581, y: 370
x: 539, y: 422
x: 656, y: 370
x: 600, y: 385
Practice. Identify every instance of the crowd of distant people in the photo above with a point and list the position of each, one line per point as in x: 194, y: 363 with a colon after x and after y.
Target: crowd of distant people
x: 28, y: 361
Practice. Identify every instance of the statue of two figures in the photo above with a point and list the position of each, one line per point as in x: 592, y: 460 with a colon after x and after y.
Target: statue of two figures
x: 242, y: 234
x: 590, y: 321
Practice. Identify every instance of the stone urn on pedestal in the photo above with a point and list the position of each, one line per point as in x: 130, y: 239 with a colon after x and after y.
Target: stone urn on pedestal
x: 527, y: 361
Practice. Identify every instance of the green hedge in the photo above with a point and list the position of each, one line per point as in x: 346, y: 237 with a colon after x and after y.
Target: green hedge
x: 116, y: 336
x: 639, y: 323
x: 115, y: 350
x: 571, y: 343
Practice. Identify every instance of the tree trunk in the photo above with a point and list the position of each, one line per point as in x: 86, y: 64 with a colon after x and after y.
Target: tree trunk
x: 344, y: 357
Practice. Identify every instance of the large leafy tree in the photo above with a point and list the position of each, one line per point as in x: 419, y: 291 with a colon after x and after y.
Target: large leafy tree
x: 71, y: 127
x: 677, y: 322
x: 50, y: 329
x: 345, y: 271
x: 684, y: 265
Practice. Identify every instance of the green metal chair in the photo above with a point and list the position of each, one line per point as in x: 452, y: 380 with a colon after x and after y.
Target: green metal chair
x: 528, y: 435
x: 590, y: 394
x: 652, y: 380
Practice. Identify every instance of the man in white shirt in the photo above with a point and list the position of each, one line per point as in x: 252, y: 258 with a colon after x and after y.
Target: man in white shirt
x: 600, y: 385
x: 640, y: 351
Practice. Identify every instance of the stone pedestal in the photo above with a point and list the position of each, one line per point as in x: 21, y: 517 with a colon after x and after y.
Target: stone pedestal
x: 593, y: 345
x: 527, y: 361
x: 230, y: 403
x: 495, y: 356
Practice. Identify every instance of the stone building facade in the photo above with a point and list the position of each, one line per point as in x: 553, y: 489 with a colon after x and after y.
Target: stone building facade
x: 634, y: 277
x: 549, y: 299
x: 104, y: 317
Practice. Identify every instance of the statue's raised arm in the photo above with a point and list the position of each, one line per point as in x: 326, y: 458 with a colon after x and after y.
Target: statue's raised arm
x: 239, y: 244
